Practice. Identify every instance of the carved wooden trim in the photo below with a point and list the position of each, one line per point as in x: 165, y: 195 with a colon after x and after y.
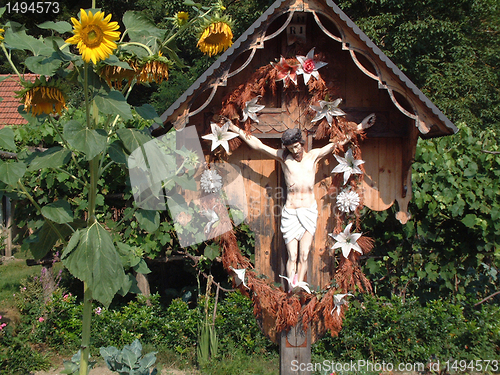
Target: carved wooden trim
x: 377, y: 77
x: 281, y: 29
x: 324, y: 29
x: 400, y: 107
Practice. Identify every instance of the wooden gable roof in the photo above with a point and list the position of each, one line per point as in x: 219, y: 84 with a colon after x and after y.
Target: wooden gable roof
x: 408, y: 99
x: 9, y: 85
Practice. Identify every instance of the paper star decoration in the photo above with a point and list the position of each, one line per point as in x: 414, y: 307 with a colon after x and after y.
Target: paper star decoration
x: 309, y: 67
x: 339, y: 300
x: 347, y: 241
x: 297, y: 284
x: 348, y: 165
x: 251, y: 109
x: 220, y: 136
x: 328, y: 110
x: 240, y: 276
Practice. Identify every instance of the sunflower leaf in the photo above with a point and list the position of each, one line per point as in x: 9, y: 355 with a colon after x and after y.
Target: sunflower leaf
x: 43, y: 240
x: 117, y: 153
x: 17, y: 38
x: 11, y: 172
x: 59, y: 212
x: 53, y: 157
x: 133, y: 138
x: 89, y: 141
x: 7, y: 139
x: 44, y: 65
x: 92, y: 257
x: 139, y: 27
x: 148, y: 112
x: 113, y: 60
x: 114, y: 103
x: 61, y: 27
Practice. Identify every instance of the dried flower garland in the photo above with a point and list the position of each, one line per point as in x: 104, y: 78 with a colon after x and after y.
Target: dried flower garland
x: 324, y: 310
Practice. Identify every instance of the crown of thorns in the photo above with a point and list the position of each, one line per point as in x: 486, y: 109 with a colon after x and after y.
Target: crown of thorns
x: 291, y: 136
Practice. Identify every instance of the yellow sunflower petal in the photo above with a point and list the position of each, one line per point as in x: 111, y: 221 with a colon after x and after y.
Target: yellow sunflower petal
x: 94, y: 36
x: 42, y: 99
x: 83, y: 16
x: 217, y: 37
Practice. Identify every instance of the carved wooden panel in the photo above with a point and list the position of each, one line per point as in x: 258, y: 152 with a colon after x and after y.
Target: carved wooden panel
x: 386, y: 174
x: 264, y: 199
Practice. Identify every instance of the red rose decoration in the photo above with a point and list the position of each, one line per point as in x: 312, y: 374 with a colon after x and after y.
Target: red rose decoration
x: 308, y: 66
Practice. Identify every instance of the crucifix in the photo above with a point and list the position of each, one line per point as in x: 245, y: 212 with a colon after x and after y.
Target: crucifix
x: 299, y: 215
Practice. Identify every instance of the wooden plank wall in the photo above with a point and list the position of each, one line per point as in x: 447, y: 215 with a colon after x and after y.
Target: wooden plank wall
x: 264, y: 198
x: 383, y: 166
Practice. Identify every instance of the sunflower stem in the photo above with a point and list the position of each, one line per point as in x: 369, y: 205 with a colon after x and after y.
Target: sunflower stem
x: 86, y: 93
x: 7, y: 55
x: 92, y: 194
x: 86, y: 325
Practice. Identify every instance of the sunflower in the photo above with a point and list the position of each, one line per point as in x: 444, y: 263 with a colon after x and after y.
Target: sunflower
x: 153, y: 69
x: 95, y: 35
x: 42, y: 96
x: 181, y: 18
x: 115, y: 75
x: 216, y: 36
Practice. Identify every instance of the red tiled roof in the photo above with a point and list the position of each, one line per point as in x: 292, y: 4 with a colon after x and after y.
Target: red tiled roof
x: 9, y: 104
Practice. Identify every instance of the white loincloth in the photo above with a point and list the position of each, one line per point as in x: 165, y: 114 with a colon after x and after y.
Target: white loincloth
x: 295, y: 222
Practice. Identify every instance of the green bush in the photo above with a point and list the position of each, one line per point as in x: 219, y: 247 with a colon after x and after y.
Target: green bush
x: 18, y: 357
x: 237, y: 326
x: 451, y: 246
x: 403, y: 331
x: 377, y: 329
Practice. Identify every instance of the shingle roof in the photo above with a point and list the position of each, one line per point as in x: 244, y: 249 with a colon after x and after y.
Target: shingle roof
x: 9, y: 84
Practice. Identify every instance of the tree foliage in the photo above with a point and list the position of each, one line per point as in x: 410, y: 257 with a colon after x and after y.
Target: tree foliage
x: 450, y: 52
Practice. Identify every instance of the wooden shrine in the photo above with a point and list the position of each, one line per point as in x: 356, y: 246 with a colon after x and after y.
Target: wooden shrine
x: 360, y: 74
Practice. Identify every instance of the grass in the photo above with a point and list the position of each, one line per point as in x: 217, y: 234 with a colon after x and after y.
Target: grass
x: 12, y: 272
x: 238, y: 363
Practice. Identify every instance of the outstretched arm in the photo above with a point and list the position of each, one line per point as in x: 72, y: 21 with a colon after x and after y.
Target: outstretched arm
x: 367, y: 122
x: 255, y: 142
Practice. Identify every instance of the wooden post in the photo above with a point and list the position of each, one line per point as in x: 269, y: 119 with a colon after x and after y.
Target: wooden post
x: 295, y: 349
x: 143, y: 285
x: 8, y: 226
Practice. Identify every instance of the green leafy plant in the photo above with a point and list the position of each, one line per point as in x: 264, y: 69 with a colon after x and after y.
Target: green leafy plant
x: 451, y: 245
x: 109, y: 63
x: 401, y: 330
x: 129, y: 360
x: 72, y: 367
x: 207, y: 334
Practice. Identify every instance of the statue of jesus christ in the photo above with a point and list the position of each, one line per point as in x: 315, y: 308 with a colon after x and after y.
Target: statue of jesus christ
x: 300, y: 213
